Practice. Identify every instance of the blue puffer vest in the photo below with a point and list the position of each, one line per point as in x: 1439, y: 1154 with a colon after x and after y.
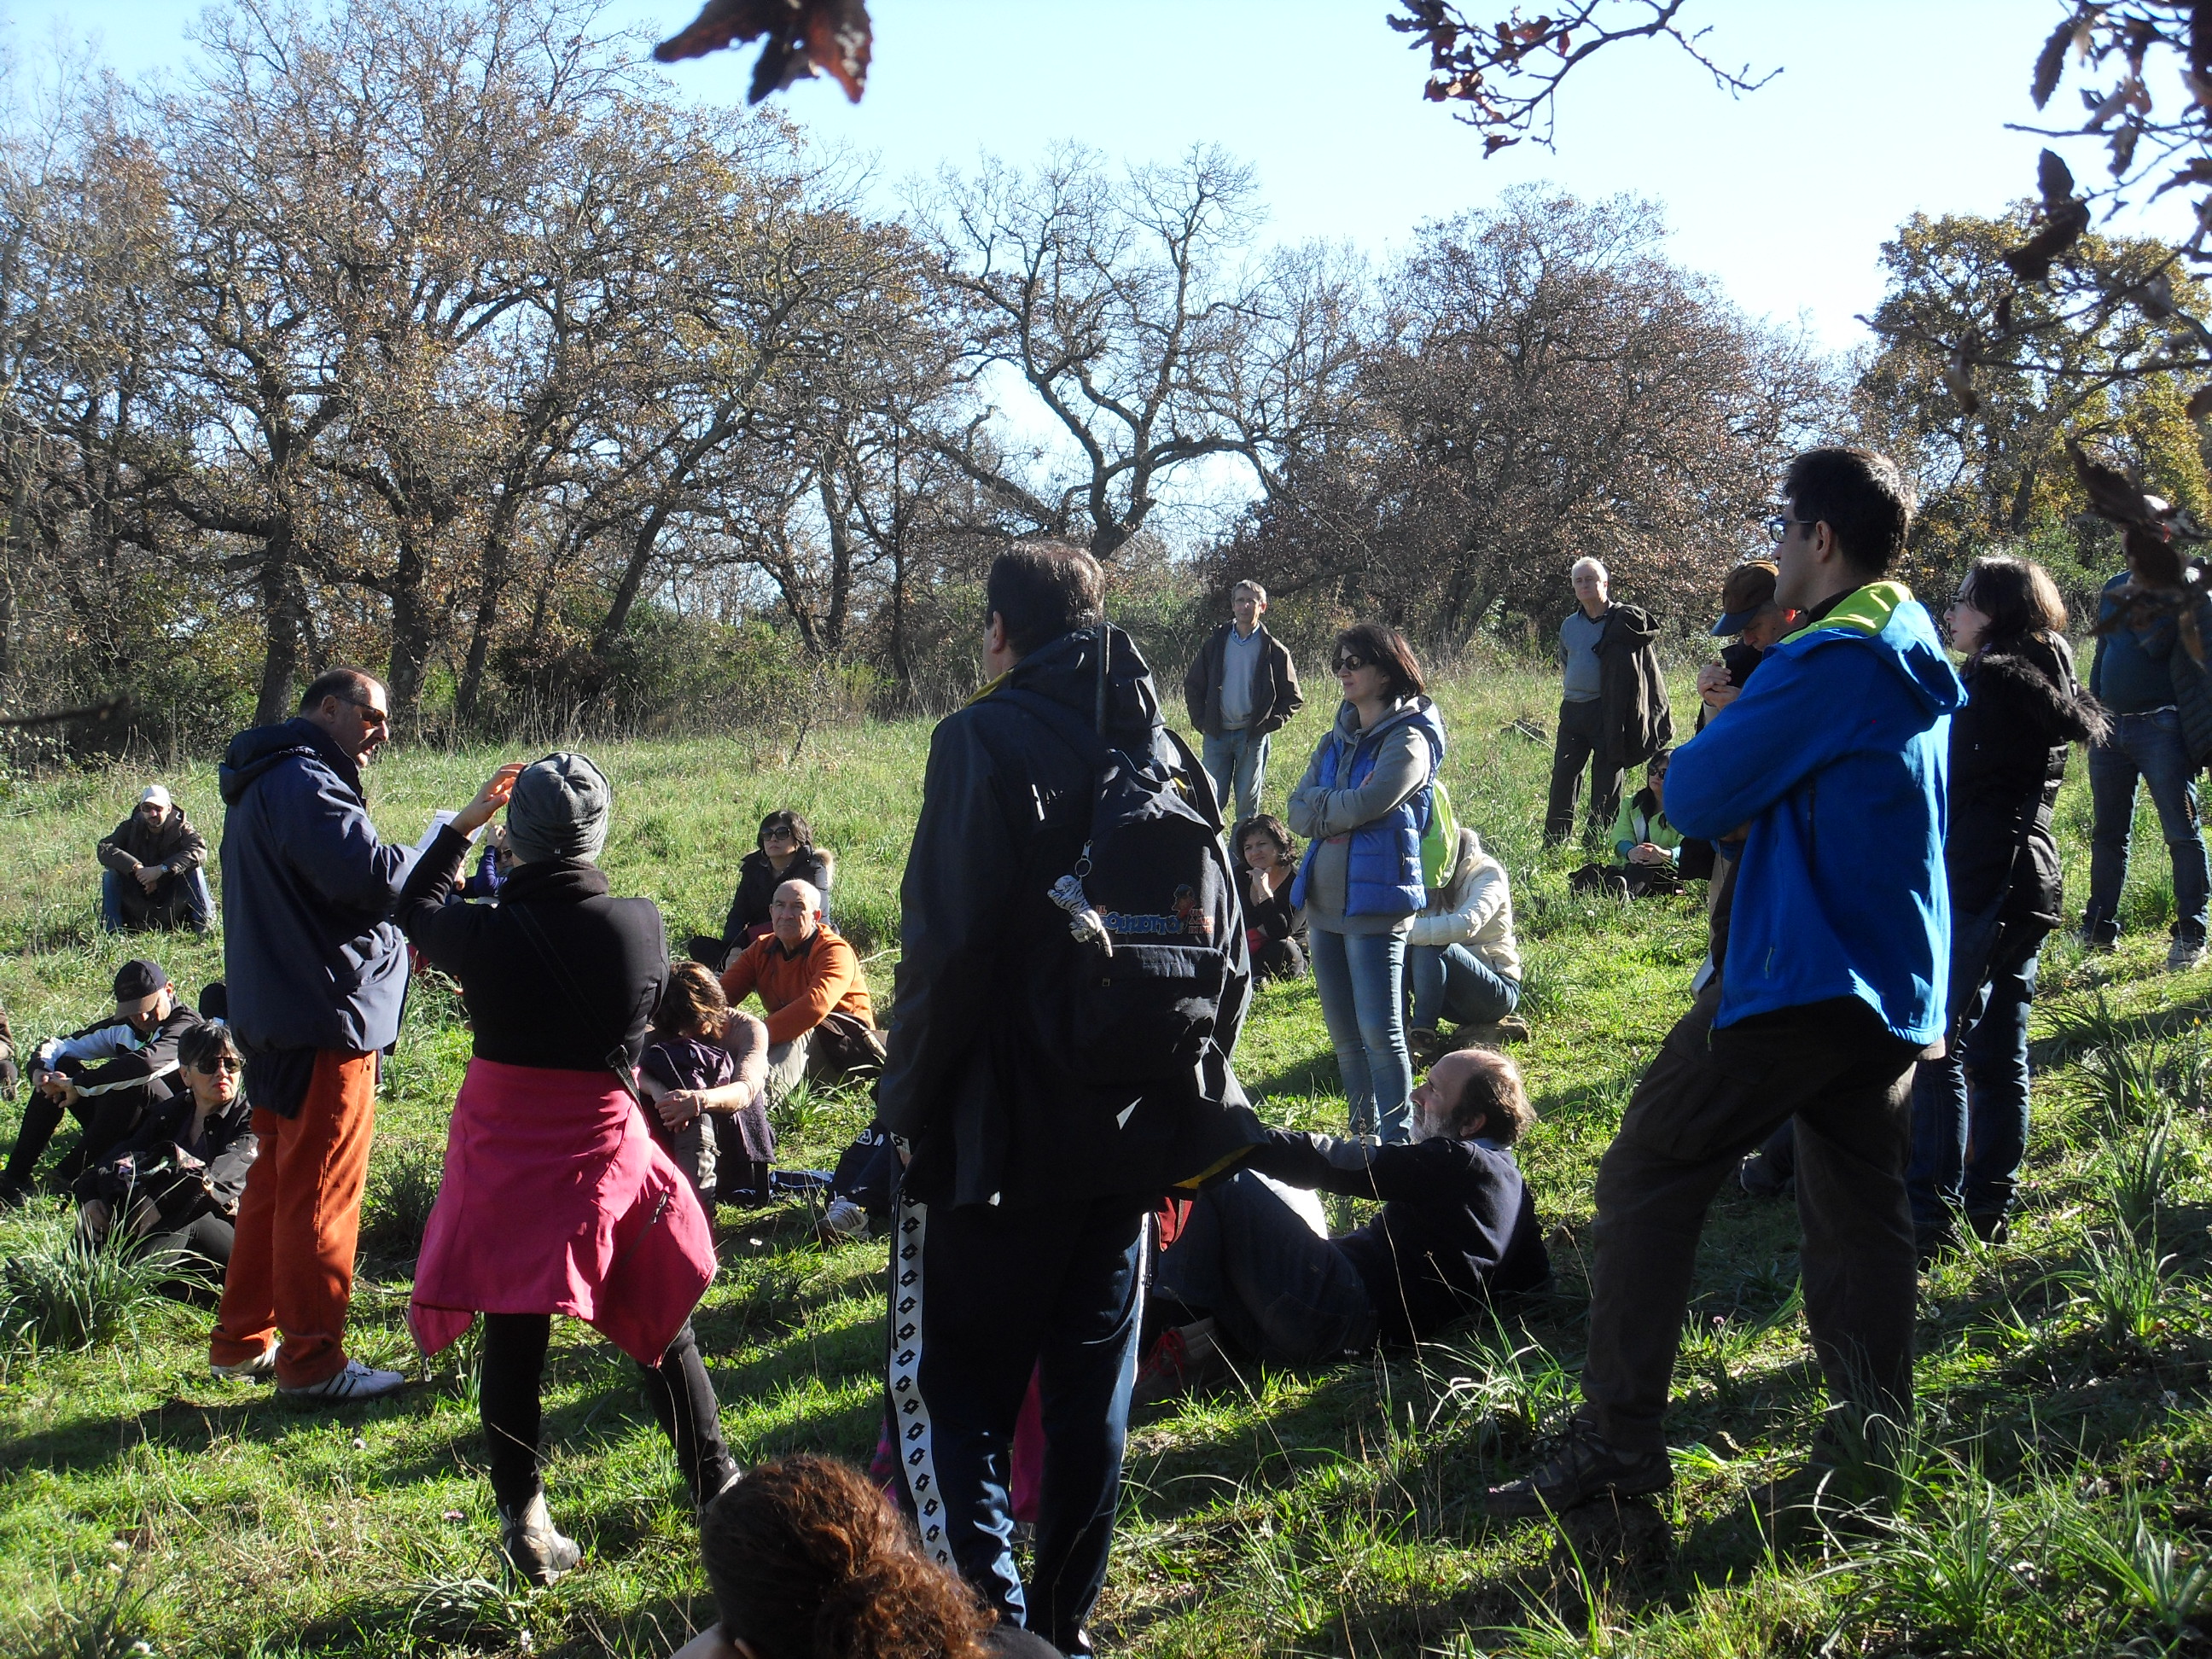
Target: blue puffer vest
x: 1382, y: 875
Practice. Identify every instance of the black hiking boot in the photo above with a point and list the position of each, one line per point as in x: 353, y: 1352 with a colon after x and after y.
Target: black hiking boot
x: 1583, y: 1467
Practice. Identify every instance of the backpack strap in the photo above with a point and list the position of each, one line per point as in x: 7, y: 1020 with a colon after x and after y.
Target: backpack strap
x: 1066, y: 724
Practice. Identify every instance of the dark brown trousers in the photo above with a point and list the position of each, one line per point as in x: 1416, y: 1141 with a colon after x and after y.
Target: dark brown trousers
x: 1707, y: 1099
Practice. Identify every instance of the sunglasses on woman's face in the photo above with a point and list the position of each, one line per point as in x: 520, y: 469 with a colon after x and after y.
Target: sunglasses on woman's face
x: 1348, y: 664
x: 223, y: 1063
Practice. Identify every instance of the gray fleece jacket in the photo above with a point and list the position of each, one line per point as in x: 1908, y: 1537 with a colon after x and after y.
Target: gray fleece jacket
x: 1326, y: 817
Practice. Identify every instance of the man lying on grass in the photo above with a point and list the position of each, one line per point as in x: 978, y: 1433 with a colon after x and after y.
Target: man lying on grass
x: 1457, y: 1229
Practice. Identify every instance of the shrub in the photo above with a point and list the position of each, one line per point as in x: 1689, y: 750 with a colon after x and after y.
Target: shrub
x: 57, y: 1293
x: 403, y: 1185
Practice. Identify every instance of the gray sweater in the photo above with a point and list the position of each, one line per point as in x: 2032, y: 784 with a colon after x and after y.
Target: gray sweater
x: 1328, y: 817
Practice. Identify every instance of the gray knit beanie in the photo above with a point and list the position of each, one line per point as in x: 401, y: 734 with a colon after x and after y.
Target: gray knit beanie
x: 559, y: 809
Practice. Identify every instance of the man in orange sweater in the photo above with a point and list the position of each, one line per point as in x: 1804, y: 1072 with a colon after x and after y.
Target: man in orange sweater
x: 820, y: 1022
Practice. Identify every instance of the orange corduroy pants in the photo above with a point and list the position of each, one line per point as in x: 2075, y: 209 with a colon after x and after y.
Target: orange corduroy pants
x: 291, y: 1269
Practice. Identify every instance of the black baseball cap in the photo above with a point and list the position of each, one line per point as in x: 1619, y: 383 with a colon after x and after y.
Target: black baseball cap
x: 138, y: 978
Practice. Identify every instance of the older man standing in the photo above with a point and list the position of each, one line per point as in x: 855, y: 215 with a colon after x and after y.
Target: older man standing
x: 820, y: 1022
x: 1613, y: 703
x: 1240, y: 690
x: 152, y: 869
x: 317, y: 975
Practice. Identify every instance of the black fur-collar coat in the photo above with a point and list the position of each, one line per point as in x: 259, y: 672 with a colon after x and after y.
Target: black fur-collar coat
x: 2024, y: 708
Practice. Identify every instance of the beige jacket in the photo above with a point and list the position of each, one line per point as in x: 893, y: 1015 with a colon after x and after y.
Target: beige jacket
x: 1474, y: 909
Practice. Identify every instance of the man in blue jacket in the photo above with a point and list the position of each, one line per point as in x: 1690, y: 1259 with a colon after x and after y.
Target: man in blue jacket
x: 317, y: 975
x: 1834, y: 759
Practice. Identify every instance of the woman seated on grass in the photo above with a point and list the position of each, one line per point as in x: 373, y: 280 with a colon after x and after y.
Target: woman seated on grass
x: 705, y: 1077
x: 1462, y: 963
x: 807, y: 1560
x: 1642, y: 840
x: 786, y: 851
x: 1266, y: 864
x: 1457, y: 1229
x: 172, y: 1188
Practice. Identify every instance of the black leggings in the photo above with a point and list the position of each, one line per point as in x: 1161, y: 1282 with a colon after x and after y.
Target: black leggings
x: 676, y: 1391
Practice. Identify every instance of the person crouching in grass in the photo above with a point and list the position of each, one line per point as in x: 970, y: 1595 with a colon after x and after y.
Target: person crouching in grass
x: 704, y: 1077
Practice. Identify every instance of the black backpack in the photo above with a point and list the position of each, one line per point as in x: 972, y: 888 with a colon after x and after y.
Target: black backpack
x: 1129, y: 993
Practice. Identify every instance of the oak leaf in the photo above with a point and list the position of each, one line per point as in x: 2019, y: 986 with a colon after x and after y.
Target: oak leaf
x: 804, y: 37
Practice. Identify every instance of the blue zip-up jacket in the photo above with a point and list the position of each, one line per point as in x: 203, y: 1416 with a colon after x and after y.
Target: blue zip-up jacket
x: 1838, y: 755
x: 1382, y: 870
x: 309, y: 954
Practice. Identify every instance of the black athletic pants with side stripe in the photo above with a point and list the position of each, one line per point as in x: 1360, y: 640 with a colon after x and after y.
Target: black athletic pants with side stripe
x: 981, y: 1297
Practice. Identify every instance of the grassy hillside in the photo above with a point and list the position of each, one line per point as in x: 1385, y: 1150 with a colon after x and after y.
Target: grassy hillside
x: 2056, y: 1502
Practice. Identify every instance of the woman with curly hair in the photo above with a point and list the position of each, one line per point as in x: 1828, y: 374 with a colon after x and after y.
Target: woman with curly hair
x: 1266, y: 856
x: 807, y: 1561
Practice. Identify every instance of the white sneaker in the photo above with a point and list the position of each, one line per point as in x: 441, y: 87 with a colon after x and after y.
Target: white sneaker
x: 847, y: 1220
x: 262, y: 1368
x: 2185, y: 954
x: 355, y: 1381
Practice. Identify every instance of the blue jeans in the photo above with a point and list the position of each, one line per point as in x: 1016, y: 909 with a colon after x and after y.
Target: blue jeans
x: 1362, y: 980
x: 1451, y: 982
x: 1278, y: 1289
x: 1238, y: 763
x: 2149, y: 747
x: 195, y: 902
x: 1970, y: 1110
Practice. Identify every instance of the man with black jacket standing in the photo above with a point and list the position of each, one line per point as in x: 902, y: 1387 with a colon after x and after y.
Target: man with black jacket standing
x: 1018, y: 1232
x: 1241, y: 689
x: 316, y: 975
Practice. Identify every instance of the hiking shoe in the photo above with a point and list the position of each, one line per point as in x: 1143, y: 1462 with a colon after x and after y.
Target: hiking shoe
x: 13, y: 1194
x: 1991, y: 1226
x: 534, y: 1546
x: 1583, y: 1467
x: 2185, y: 954
x: 262, y: 1368
x: 1178, y: 1362
x: 1759, y: 1178
x: 1425, y: 1043
x: 1511, y: 1029
x: 844, y: 1222
x: 356, y: 1382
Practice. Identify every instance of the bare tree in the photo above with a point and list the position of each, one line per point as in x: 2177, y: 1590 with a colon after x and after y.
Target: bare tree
x: 1115, y: 304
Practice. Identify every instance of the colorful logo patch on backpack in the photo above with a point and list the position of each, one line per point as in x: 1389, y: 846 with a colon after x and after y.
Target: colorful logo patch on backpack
x: 1190, y: 918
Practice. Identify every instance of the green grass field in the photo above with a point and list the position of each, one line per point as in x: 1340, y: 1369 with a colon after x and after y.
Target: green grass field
x: 2056, y: 1502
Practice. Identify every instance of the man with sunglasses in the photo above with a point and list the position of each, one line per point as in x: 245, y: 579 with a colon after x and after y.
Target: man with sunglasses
x: 1834, y: 763
x: 316, y: 975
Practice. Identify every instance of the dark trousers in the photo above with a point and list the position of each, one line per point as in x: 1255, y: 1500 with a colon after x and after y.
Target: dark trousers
x: 1709, y: 1098
x: 1274, y: 1286
x: 980, y: 1298
x: 1582, y: 744
x: 200, y: 1252
x: 1970, y: 1109
x: 105, y: 1119
x: 677, y: 1391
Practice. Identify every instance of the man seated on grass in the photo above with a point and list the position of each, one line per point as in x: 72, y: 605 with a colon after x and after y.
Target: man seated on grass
x: 820, y: 1022
x: 1458, y: 1229
x: 153, y: 869
x: 105, y: 1075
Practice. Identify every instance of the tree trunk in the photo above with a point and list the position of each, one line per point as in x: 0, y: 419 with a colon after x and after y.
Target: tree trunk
x: 411, y: 632
x: 283, y: 609
x: 492, y: 585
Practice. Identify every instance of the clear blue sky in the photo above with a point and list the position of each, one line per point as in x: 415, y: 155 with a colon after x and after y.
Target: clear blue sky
x: 1883, y: 106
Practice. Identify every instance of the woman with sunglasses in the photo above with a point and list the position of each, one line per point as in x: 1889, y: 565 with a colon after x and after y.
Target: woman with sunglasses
x: 173, y: 1188
x: 784, y: 851
x: 1363, y: 805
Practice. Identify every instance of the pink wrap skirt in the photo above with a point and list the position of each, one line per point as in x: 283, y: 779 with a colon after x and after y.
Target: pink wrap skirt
x: 556, y: 1200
